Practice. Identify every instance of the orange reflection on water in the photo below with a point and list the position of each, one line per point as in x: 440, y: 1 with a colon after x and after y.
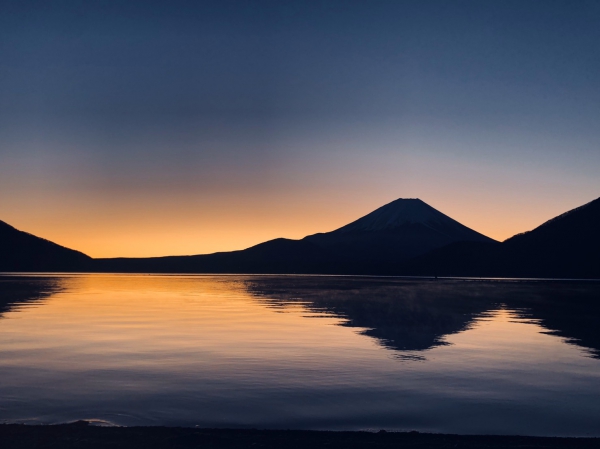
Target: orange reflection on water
x: 234, y: 351
x: 179, y: 322
x: 195, y: 322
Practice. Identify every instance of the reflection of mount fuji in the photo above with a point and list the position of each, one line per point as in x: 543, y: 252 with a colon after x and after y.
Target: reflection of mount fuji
x: 404, y: 237
x: 402, y: 315
x: 411, y: 315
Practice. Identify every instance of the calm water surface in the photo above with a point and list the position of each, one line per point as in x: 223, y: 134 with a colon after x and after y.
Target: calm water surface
x: 301, y: 352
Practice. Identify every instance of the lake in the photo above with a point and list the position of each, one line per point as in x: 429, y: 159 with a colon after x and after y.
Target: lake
x: 302, y: 352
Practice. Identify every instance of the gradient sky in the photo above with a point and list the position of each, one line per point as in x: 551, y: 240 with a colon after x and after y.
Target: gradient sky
x: 180, y: 127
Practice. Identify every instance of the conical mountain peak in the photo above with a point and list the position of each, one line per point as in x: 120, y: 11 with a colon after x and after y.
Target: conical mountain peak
x: 394, y: 233
x: 403, y: 211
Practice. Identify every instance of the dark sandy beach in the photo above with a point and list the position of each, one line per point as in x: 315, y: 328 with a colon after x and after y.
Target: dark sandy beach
x: 82, y: 435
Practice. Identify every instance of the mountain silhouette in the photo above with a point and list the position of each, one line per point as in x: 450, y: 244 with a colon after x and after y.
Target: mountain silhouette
x: 274, y: 256
x: 394, y: 233
x: 567, y: 246
x: 377, y: 243
x: 20, y: 251
x: 405, y: 237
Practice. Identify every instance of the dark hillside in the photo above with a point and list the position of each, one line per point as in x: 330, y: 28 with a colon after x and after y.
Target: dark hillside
x: 274, y: 256
x: 567, y: 246
x: 20, y: 251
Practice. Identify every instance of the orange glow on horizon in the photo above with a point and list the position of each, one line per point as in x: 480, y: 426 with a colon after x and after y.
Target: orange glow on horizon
x: 191, y: 226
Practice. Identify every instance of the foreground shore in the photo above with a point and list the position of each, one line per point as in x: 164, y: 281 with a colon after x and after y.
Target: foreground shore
x: 82, y: 435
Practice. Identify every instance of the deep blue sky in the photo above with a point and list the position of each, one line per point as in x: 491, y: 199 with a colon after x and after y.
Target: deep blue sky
x: 215, y: 125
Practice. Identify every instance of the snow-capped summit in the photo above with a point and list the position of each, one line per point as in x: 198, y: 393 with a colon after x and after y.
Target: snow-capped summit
x: 397, y: 213
x: 395, y: 232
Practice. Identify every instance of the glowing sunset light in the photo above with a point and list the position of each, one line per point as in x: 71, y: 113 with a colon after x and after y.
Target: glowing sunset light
x: 186, y: 129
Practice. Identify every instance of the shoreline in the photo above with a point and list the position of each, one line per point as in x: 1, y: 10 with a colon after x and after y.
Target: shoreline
x: 82, y: 435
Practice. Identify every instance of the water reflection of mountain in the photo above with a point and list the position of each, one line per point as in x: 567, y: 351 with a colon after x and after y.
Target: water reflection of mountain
x: 568, y: 309
x: 17, y: 290
x: 403, y: 315
x: 415, y: 315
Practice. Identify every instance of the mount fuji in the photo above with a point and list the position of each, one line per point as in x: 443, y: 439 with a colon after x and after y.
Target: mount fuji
x: 378, y: 243
x: 396, y: 232
x: 403, y: 212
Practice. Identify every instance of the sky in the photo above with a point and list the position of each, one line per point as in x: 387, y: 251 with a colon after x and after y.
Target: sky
x: 185, y: 127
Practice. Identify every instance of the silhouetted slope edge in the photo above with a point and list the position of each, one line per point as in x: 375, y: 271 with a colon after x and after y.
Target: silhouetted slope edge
x: 410, y: 211
x: 20, y: 251
x: 274, y: 256
x: 567, y: 246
